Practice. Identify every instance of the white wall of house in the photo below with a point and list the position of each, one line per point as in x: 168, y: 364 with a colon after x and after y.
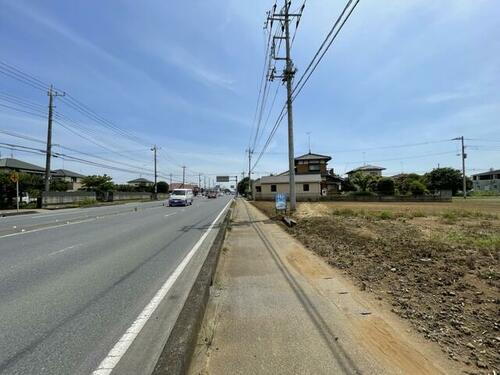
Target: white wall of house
x: 266, y: 192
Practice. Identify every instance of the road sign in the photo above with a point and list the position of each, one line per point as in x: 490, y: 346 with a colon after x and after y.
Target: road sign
x: 222, y: 178
x: 14, y: 177
x: 280, y: 201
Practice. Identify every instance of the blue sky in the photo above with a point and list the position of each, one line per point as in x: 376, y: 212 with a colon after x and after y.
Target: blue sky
x: 185, y: 75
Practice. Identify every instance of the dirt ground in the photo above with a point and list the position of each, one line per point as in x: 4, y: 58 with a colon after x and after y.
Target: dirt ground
x: 437, y: 264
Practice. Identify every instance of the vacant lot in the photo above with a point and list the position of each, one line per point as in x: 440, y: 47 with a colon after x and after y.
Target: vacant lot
x: 436, y: 263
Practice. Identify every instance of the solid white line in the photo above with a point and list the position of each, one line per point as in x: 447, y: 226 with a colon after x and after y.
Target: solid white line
x: 23, y: 231
x: 118, y: 351
x: 173, y: 213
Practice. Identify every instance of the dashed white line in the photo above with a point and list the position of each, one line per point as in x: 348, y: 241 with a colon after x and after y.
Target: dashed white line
x: 173, y: 213
x: 63, y: 250
x: 118, y: 351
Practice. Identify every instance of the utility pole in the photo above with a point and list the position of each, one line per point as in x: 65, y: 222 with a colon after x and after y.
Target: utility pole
x: 199, y: 181
x: 52, y: 94
x: 183, y: 175
x: 155, y: 190
x: 250, y: 152
x: 288, y: 74
x: 309, y: 140
x: 464, y: 156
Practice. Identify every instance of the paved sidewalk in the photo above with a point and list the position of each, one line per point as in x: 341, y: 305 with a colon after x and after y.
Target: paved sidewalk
x: 276, y: 308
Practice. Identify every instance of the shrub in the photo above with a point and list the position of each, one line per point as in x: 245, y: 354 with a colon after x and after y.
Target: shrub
x: 385, y: 186
x: 417, y: 188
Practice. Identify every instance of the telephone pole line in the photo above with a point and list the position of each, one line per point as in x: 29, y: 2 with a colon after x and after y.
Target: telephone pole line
x: 250, y: 152
x: 155, y: 190
x: 199, y: 181
x: 464, y: 156
x: 287, y: 76
x: 52, y: 94
x: 183, y: 176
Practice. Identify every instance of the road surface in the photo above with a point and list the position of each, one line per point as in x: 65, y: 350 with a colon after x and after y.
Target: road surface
x: 72, y: 282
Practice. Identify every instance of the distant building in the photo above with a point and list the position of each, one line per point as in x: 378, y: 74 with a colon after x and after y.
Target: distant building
x: 307, y: 186
x: 487, y: 181
x: 313, y: 179
x: 74, y: 179
x: 368, y: 169
x: 14, y: 165
x: 180, y: 185
x: 140, y: 182
x: 8, y: 165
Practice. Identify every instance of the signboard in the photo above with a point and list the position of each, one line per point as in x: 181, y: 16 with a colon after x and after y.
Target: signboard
x: 280, y: 201
x: 14, y: 177
x: 222, y: 178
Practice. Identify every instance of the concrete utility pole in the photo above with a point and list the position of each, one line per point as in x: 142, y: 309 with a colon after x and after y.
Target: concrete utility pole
x: 155, y: 190
x: 199, y: 181
x: 250, y: 152
x: 183, y: 175
x: 288, y: 74
x: 464, y: 156
x: 52, y: 94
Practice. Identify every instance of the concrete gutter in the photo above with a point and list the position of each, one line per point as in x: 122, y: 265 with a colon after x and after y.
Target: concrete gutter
x: 177, y: 352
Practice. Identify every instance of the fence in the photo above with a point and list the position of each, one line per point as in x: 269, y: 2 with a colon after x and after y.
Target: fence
x: 70, y: 198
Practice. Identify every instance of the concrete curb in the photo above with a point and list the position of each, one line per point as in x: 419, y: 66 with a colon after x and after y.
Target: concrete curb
x: 7, y: 214
x: 177, y: 352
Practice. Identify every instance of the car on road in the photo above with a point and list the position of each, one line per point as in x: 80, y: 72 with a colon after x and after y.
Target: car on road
x: 181, y: 197
x: 212, y: 194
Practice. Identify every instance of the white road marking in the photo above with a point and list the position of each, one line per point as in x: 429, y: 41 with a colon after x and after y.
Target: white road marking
x: 173, y: 213
x: 63, y: 250
x: 118, y: 351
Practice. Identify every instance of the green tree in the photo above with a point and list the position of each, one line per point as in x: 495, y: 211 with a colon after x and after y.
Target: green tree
x: 243, y: 186
x: 162, y: 187
x: 99, y: 184
x: 362, y: 181
x: 402, y: 182
x: 57, y: 184
x: 444, y: 179
x: 416, y: 187
x: 385, y: 186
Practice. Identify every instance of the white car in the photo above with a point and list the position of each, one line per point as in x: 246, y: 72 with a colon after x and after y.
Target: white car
x: 181, y: 197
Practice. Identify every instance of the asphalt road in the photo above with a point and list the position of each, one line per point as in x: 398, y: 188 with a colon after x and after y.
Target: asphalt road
x: 72, y: 282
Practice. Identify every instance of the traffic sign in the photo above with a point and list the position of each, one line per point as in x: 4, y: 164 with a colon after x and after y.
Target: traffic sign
x: 222, y: 178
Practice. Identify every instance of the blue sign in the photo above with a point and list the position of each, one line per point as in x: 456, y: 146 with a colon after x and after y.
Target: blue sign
x: 280, y: 201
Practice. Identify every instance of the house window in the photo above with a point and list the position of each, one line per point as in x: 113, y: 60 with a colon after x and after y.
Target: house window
x: 273, y: 188
x: 305, y: 187
x: 258, y: 189
x: 314, y: 167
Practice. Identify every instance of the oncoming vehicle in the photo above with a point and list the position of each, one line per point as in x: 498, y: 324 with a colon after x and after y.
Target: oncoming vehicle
x: 181, y: 197
x: 212, y: 194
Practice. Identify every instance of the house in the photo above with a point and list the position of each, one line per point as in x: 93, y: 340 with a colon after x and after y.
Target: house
x: 315, y: 163
x: 369, y: 169
x: 307, y: 186
x: 487, y: 181
x: 74, y: 179
x: 313, y: 179
x: 140, y: 182
x: 8, y: 165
